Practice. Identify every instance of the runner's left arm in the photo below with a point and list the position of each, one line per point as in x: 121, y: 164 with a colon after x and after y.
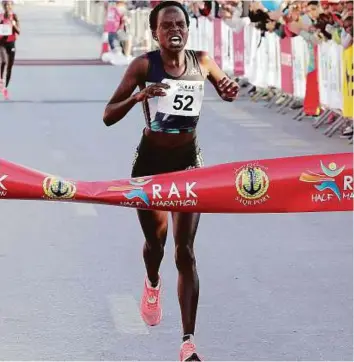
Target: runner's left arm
x: 226, y: 88
x: 16, y: 24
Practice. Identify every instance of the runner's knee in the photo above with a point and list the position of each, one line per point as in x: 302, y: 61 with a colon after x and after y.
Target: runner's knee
x: 154, y: 227
x: 184, y: 257
x: 156, y: 239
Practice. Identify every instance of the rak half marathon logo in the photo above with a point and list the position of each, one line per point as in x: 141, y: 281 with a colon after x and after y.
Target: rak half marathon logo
x: 145, y: 192
x: 252, y: 183
x: 327, y: 185
x: 135, y: 190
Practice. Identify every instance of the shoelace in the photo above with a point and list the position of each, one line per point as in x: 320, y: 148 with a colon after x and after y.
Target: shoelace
x: 152, y: 294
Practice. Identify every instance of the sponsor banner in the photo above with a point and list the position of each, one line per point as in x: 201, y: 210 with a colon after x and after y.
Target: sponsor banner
x: 330, y: 70
x: 287, y: 83
x: 316, y: 183
x: 239, y: 48
x: 218, y: 42
x: 273, y: 50
x: 299, y: 50
x: 348, y: 80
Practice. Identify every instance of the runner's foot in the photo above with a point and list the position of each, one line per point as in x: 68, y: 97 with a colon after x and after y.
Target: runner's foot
x: 5, y: 93
x: 189, y: 351
x: 150, y: 307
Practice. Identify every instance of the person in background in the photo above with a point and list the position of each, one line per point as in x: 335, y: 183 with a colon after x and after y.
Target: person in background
x: 115, y: 26
x: 123, y: 34
x: 114, y: 20
x: 9, y: 30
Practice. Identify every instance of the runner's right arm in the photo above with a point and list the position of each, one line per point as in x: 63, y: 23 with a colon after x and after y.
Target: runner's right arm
x: 122, y: 100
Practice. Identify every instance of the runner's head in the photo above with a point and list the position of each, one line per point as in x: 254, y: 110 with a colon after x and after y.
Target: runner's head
x: 169, y: 24
x: 7, y: 5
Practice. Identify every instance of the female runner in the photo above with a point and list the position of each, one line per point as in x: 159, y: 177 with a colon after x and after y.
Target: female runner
x: 168, y: 144
x: 9, y: 29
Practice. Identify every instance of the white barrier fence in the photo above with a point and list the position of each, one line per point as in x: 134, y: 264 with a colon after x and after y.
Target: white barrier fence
x: 272, y: 62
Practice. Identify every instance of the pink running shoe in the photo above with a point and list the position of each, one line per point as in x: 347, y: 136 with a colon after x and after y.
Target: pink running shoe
x: 5, y: 93
x: 150, y: 307
x: 189, y: 351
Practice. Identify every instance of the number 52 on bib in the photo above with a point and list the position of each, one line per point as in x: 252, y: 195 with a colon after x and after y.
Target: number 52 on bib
x: 183, y: 98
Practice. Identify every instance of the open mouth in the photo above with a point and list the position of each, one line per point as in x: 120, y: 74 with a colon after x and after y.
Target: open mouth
x: 175, y: 40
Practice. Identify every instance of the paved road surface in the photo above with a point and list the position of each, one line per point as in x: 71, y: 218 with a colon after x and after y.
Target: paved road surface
x: 273, y: 287
x: 47, y: 34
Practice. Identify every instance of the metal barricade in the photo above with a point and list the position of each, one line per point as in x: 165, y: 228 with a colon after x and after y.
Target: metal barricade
x: 266, y: 65
x: 90, y: 11
x: 138, y: 30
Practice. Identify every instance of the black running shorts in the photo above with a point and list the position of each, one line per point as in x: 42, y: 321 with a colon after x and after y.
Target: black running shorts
x: 151, y: 159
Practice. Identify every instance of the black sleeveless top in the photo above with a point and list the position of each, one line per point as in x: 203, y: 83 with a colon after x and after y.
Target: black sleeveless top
x: 179, y: 110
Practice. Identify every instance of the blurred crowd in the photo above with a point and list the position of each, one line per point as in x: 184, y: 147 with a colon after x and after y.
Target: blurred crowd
x: 316, y: 21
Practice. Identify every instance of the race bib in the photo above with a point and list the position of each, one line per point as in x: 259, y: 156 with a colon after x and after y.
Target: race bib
x: 5, y: 29
x: 184, y: 98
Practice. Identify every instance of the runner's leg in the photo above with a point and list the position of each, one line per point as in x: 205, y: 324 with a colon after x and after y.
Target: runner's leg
x: 11, y: 60
x: 4, y: 63
x: 185, y: 226
x: 154, y: 225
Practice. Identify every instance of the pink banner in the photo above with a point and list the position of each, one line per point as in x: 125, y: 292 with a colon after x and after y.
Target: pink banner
x: 239, y: 47
x: 217, y: 42
x: 287, y: 83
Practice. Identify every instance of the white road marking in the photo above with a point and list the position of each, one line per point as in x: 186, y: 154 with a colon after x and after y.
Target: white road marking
x: 279, y: 138
x: 242, y: 121
x: 256, y: 125
x: 126, y: 314
x: 271, y: 133
x: 290, y: 142
x: 230, y: 112
x: 85, y: 210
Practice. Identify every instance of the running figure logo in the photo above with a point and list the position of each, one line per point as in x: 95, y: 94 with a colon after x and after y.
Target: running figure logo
x: 136, y: 190
x: 326, y: 180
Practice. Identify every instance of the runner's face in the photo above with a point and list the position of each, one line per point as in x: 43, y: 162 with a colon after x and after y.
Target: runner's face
x: 7, y: 6
x: 172, y: 30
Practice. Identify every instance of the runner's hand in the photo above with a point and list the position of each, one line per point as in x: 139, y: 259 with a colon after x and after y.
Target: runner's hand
x: 228, y: 89
x: 153, y: 90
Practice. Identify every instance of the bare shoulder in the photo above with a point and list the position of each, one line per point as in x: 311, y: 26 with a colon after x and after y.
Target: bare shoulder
x: 139, y: 66
x: 202, y: 56
x: 204, y: 61
x: 140, y: 62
